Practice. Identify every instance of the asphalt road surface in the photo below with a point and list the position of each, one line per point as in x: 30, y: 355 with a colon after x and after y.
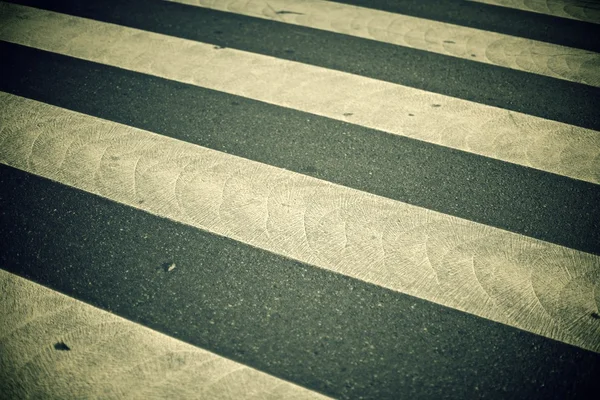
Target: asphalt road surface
x: 221, y: 199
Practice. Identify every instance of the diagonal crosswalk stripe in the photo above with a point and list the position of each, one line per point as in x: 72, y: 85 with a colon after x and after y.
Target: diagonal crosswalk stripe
x: 473, y: 44
x: 505, y: 277
x: 464, y: 185
x: 141, y: 363
x: 327, y: 332
x: 254, y: 205
x: 512, y: 90
x: 581, y: 10
x: 509, y: 136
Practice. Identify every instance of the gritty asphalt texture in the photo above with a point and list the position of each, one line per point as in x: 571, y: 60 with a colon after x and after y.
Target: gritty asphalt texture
x: 327, y: 332
x: 545, y: 97
x: 508, y: 21
x: 519, y: 199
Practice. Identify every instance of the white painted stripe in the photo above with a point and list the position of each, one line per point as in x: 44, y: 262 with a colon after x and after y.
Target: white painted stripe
x: 509, y: 278
x: 509, y: 136
x: 528, y: 55
x: 142, y: 363
x: 588, y: 11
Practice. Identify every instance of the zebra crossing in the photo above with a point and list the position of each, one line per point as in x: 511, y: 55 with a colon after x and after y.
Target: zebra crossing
x: 422, y: 115
x: 295, y: 227
x: 587, y: 11
x: 448, y: 39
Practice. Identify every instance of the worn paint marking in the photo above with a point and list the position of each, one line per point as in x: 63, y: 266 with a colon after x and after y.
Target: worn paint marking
x: 489, y: 131
x: 141, y: 362
x: 588, y: 11
x: 513, y: 279
x: 517, y: 53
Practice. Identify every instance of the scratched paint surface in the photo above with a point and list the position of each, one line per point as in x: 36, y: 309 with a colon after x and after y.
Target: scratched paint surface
x: 438, y: 37
x: 588, y: 11
x: 54, y: 347
x: 533, y: 285
x: 509, y: 136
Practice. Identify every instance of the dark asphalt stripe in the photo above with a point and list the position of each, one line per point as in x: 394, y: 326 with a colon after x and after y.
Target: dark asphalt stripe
x: 487, y: 17
x: 523, y: 200
x: 327, y: 332
x: 57, y: 347
x: 487, y: 84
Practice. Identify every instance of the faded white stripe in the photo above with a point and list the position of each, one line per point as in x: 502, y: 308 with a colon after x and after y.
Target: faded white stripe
x: 588, y: 11
x: 506, y: 277
x: 528, y: 55
x: 509, y: 136
x: 142, y: 363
